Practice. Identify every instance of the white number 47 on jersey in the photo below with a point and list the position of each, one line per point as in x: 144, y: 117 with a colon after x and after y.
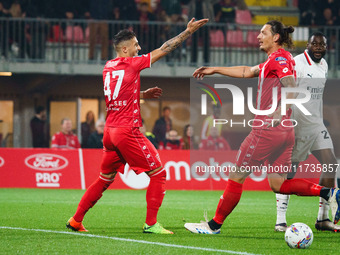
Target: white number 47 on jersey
x: 107, y: 85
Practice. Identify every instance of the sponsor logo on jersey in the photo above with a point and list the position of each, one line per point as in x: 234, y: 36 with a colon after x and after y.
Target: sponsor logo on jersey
x: 46, y: 162
x: 285, y: 70
x: 2, y: 161
x: 283, y: 63
x: 280, y: 59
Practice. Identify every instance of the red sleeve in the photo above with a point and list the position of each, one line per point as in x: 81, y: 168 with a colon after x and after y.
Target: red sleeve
x: 76, y: 142
x: 141, y: 62
x: 203, y: 145
x: 282, y: 66
x: 55, y: 141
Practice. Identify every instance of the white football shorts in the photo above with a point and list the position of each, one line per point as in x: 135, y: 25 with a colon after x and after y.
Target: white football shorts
x: 304, y: 144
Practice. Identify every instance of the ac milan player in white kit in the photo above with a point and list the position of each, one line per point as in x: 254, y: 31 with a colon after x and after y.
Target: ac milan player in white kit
x: 123, y: 142
x: 270, y: 144
x: 311, y: 135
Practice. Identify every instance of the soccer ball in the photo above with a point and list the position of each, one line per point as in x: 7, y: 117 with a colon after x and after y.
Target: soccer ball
x: 299, y: 236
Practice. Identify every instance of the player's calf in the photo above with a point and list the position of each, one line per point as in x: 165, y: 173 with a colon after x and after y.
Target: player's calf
x: 154, y: 198
x: 154, y: 195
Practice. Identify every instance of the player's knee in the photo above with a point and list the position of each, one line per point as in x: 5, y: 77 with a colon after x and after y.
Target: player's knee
x: 238, y: 175
x: 109, y: 176
x: 276, y: 189
x: 160, y: 171
x: 275, y: 186
x: 276, y: 180
x: 158, y: 175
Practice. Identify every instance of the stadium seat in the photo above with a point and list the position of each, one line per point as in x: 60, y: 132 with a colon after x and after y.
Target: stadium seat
x: 87, y: 35
x: 56, y: 34
x: 252, y: 40
x: 243, y: 17
x: 216, y: 38
x: 74, y: 34
x: 235, y: 38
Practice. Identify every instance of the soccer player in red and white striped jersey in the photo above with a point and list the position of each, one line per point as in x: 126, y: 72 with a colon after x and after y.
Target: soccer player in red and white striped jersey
x: 270, y: 144
x: 123, y: 142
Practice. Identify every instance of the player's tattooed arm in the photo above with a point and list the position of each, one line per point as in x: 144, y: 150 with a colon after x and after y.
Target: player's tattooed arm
x: 288, y: 81
x: 173, y: 43
x: 255, y: 70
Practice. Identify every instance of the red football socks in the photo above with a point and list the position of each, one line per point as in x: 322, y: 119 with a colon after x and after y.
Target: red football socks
x: 154, y: 196
x: 91, y: 196
x: 228, y: 201
x: 300, y: 187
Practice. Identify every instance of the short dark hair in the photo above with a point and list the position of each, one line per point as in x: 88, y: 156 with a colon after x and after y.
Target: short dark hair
x: 166, y: 108
x: 278, y: 28
x: 123, y: 35
x: 39, y: 109
x: 317, y: 33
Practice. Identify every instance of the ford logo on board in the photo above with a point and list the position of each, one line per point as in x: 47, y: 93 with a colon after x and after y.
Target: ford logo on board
x: 46, y: 162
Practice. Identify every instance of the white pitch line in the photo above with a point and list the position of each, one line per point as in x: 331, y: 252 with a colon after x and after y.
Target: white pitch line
x: 129, y: 240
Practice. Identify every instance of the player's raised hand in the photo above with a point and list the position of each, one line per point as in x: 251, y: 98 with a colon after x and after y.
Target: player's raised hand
x: 195, y: 25
x: 176, y: 41
x: 154, y: 92
x: 202, y: 71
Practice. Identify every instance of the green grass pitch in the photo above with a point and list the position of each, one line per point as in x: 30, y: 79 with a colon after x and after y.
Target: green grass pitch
x: 115, y: 224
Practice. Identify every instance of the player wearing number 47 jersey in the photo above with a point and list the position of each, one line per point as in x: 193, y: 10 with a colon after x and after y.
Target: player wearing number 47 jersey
x: 271, y: 144
x: 123, y: 142
x: 311, y: 135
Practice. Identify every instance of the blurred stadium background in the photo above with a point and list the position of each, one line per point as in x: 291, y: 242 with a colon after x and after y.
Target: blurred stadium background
x: 45, y: 60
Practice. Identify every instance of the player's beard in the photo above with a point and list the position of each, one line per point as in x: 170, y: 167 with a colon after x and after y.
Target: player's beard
x: 317, y: 60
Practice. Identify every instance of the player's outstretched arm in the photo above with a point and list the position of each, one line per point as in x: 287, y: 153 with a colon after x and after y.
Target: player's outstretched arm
x: 233, y: 71
x: 151, y: 93
x: 173, y: 43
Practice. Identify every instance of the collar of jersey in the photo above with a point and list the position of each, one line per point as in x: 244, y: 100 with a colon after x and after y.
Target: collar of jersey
x: 272, y: 54
x: 309, y: 61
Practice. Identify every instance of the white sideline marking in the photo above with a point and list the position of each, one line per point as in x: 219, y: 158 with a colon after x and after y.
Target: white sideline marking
x: 81, y: 166
x: 128, y: 240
